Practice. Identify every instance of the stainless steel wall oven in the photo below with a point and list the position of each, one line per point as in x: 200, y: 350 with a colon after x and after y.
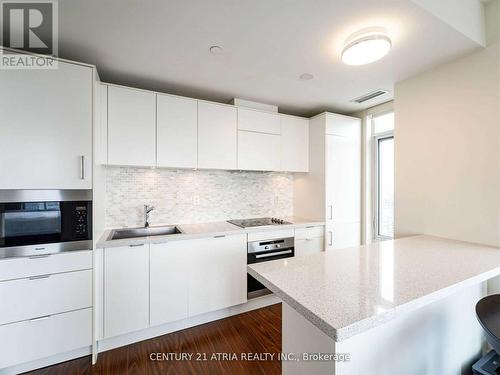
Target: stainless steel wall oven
x: 264, y: 251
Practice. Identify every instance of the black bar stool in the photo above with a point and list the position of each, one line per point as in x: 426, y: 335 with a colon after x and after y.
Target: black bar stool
x: 488, y: 314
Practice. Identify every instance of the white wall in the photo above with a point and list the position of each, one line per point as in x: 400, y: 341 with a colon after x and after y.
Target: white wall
x: 447, y: 150
x: 465, y: 16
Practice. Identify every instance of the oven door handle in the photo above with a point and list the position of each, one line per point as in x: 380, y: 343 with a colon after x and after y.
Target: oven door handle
x: 273, y: 254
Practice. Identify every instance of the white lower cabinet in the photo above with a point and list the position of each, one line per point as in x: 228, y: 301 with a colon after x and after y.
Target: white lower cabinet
x: 169, y: 267
x: 309, y: 246
x: 46, y: 306
x: 309, y: 240
x: 43, y: 337
x: 157, y: 284
x: 18, y: 268
x: 126, y: 289
x: 342, y: 235
x: 45, y: 295
x: 218, y: 273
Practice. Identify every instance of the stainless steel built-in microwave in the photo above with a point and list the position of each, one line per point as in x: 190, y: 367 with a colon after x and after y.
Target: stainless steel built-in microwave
x: 34, y: 222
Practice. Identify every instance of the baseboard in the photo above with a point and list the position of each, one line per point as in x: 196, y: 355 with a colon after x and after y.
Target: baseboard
x: 130, y: 338
x: 49, y: 361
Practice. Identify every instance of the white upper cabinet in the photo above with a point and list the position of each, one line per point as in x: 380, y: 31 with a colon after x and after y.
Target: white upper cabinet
x: 217, y: 127
x: 101, y: 124
x: 177, y: 127
x: 46, y: 131
x: 154, y: 129
x: 294, y: 144
x: 258, y: 121
x: 258, y: 151
x: 131, y: 127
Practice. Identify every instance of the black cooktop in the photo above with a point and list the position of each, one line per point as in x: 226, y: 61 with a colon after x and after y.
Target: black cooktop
x: 259, y: 222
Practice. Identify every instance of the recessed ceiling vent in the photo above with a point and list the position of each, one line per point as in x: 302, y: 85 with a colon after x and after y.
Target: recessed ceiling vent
x: 370, y: 96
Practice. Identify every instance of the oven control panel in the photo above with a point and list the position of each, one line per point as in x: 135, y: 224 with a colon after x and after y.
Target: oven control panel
x: 81, y: 220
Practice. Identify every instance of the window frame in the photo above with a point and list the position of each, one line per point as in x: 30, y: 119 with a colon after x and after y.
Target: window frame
x: 376, y: 138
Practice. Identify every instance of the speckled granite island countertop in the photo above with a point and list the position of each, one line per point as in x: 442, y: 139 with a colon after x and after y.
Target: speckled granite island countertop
x: 346, y: 292
x: 191, y: 231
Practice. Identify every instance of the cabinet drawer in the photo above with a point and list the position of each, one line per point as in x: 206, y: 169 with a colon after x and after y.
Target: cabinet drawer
x: 39, y: 338
x: 309, y: 232
x: 16, y: 268
x: 45, y: 295
x: 259, y: 236
x: 309, y: 246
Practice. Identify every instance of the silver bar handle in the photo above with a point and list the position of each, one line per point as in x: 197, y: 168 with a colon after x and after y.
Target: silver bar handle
x: 330, y: 242
x: 40, y: 318
x: 39, y: 256
x: 220, y: 236
x: 82, y: 167
x: 273, y: 254
x: 136, y: 245
x: 39, y: 277
x: 330, y: 212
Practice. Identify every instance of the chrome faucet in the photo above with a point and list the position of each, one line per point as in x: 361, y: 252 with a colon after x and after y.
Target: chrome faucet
x: 147, y: 210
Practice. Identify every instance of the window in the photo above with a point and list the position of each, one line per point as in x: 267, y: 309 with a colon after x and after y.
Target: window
x: 383, y: 142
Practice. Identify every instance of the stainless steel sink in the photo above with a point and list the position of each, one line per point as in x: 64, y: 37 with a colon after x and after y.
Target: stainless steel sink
x: 119, y: 234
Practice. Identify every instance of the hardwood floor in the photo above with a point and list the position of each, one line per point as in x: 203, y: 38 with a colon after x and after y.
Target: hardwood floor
x: 257, y: 331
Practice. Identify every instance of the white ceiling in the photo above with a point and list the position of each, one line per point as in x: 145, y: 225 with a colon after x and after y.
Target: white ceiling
x: 163, y: 45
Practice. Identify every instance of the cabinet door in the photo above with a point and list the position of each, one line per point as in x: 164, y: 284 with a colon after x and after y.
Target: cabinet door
x: 343, y: 179
x: 294, y: 144
x: 258, y: 151
x: 131, y: 127
x: 169, y: 277
x: 177, y: 128
x: 46, y: 132
x: 126, y: 289
x: 309, y: 246
x: 218, y: 277
x: 216, y: 136
x: 341, y: 235
x: 258, y: 121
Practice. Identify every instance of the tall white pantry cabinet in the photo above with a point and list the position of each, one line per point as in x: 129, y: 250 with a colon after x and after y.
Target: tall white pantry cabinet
x: 331, y: 191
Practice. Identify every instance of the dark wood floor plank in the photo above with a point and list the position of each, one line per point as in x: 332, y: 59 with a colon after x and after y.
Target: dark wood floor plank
x: 257, y: 331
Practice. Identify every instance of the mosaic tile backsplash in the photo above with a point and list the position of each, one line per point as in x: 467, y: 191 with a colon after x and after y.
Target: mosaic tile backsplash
x: 194, y: 196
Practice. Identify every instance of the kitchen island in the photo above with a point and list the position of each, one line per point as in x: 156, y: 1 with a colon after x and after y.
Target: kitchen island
x: 395, y: 307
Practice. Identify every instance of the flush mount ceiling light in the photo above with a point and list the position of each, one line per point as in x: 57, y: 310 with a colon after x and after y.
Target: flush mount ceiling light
x: 366, y: 48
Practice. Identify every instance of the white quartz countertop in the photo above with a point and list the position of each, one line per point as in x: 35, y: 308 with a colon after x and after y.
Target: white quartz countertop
x: 348, y: 291
x: 191, y: 231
